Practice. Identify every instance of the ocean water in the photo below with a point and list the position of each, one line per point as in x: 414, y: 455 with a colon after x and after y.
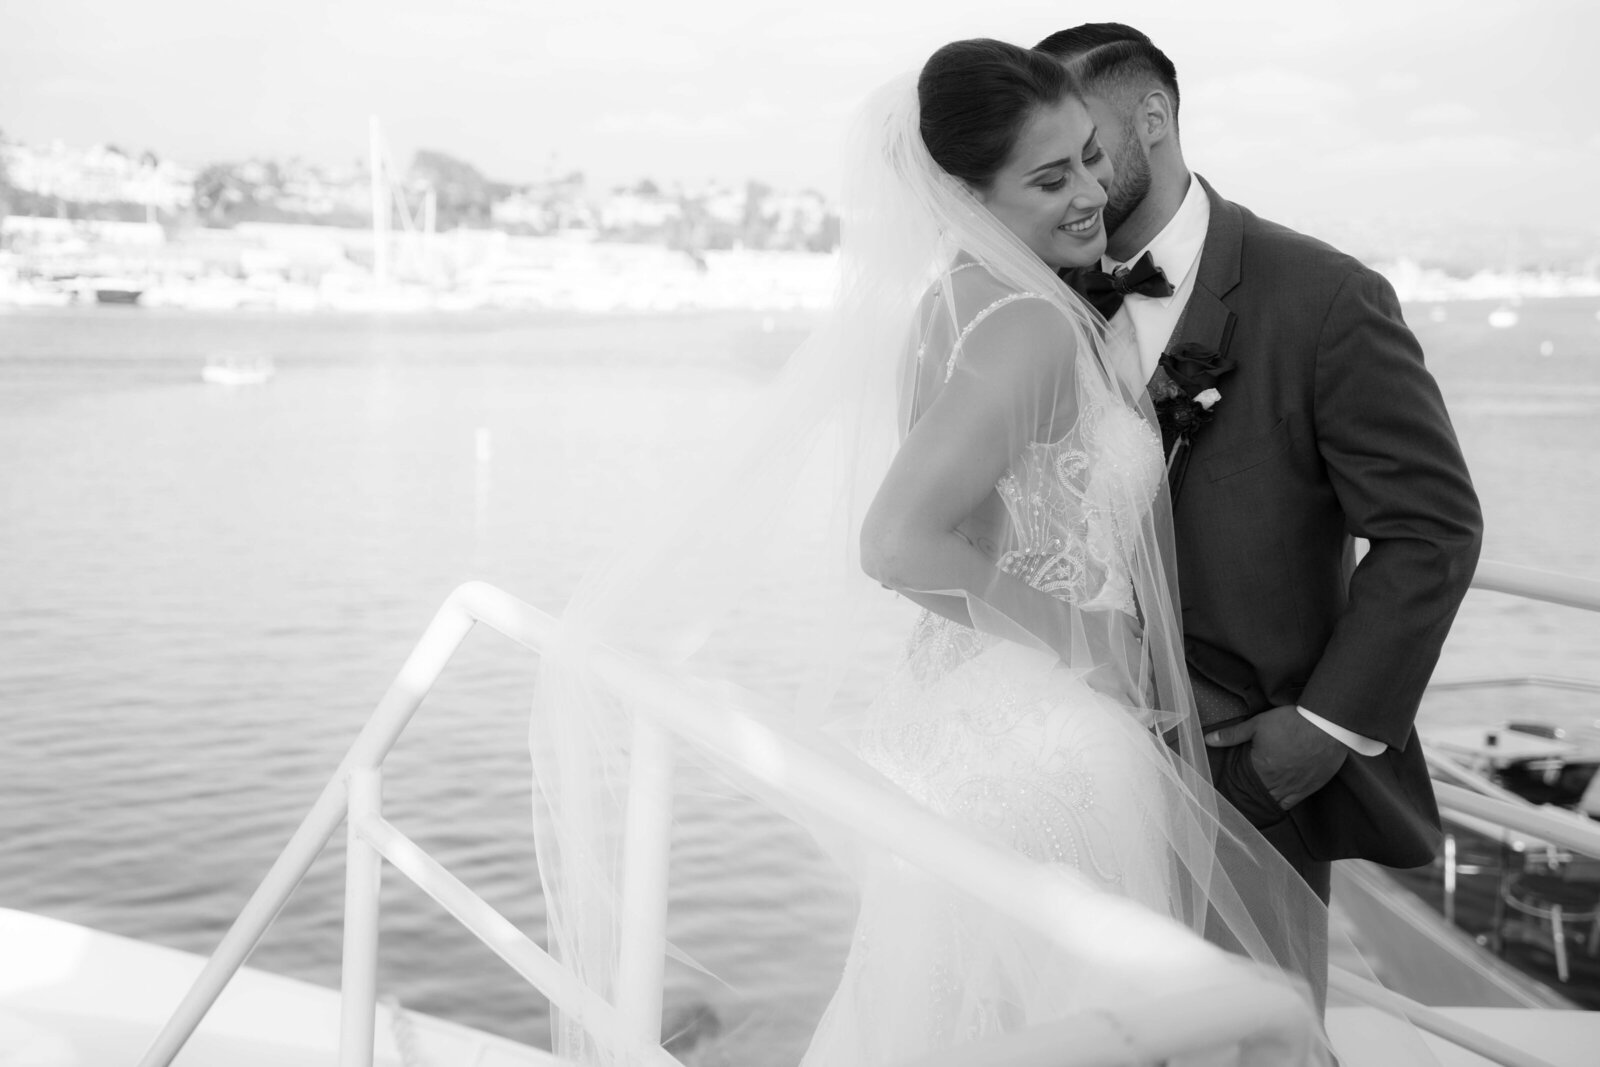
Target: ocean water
x: 205, y: 590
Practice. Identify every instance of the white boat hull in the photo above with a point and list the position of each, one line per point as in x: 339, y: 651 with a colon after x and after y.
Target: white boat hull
x: 223, y: 374
x: 75, y: 997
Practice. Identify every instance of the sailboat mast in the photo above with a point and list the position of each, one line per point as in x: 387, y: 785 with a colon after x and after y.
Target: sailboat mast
x: 380, y: 207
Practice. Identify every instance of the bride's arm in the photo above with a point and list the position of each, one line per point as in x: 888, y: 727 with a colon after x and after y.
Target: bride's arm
x: 1008, y: 382
x: 982, y: 531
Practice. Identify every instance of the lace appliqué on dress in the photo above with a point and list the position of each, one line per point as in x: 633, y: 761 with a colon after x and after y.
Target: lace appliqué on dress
x: 1076, y: 503
x: 974, y: 728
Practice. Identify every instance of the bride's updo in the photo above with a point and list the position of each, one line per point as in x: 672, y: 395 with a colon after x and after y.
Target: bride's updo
x: 975, y: 97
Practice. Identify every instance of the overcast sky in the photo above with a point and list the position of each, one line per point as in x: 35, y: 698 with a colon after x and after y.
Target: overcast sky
x: 1465, y: 111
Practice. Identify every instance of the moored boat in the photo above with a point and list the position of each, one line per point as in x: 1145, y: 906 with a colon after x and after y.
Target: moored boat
x: 236, y: 370
x: 123, y: 291
x: 1541, y: 762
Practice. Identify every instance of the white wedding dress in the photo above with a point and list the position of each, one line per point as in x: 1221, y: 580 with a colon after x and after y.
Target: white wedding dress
x: 1059, y: 724
x: 1018, y: 749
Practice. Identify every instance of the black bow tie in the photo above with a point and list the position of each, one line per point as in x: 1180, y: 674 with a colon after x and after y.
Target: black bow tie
x: 1106, y: 291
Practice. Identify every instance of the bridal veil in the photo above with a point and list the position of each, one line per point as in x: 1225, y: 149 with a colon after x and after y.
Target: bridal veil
x: 751, y: 582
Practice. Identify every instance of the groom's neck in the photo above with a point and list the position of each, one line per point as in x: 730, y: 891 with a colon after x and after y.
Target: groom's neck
x: 1169, y: 184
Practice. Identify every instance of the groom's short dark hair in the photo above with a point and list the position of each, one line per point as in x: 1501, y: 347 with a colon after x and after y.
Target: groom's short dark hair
x: 1109, y: 57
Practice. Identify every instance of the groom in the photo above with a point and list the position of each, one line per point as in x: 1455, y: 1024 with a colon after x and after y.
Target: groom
x: 1324, y: 427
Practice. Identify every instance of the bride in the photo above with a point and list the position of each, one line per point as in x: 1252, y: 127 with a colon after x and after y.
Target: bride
x: 978, y: 455
x: 1042, y: 702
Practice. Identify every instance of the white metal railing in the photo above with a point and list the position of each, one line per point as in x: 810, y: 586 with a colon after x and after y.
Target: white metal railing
x: 1474, y: 798
x: 1065, y: 909
x: 1470, y: 800
x: 1434, y: 1022
x: 1550, y: 825
x: 1062, y: 908
x: 1531, y: 583
x: 354, y: 792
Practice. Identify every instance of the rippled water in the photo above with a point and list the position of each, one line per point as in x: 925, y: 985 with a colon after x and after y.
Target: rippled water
x: 204, y: 591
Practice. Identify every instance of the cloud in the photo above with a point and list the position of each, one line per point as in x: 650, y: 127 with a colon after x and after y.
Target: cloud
x: 1442, y: 154
x: 70, y: 86
x: 667, y: 124
x: 679, y: 125
x: 1447, y: 113
x: 848, y: 52
x: 1396, y: 83
x: 589, y: 48
x: 1268, y: 92
x: 452, y: 27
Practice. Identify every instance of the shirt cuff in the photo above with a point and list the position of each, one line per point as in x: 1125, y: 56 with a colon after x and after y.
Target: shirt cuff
x: 1366, y: 746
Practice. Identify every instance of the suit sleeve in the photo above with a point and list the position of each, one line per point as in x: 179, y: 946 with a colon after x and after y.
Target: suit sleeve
x: 1394, y: 462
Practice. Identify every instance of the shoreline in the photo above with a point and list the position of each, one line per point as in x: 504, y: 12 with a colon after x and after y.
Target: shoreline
x: 308, y: 269
x: 403, y: 307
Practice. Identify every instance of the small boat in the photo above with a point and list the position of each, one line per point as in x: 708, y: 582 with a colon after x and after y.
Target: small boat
x: 1539, y: 762
x: 123, y: 291
x: 1503, y: 317
x: 1526, y: 895
x: 234, y: 370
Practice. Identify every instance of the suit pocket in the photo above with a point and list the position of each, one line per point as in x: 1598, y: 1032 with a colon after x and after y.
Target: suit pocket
x: 1252, y: 452
x: 1234, y: 777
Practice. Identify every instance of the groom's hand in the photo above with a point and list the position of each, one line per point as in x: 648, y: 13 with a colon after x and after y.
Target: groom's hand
x: 1293, y: 758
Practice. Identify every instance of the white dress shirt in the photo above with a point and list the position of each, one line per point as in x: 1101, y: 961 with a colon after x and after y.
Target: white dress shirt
x: 1176, y: 250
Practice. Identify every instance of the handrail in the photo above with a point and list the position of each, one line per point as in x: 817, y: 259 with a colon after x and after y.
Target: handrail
x: 1434, y: 1022
x: 1535, y: 584
x: 1445, y: 766
x: 1543, y: 681
x: 426, y: 661
x: 1555, y: 826
x: 1056, y: 903
x: 1476, y: 798
x: 1136, y: 1033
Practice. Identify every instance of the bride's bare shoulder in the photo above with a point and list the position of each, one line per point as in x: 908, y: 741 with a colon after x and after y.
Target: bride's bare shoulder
x: 994, y: 328
x: 967, y: 291
x: 972, y: 284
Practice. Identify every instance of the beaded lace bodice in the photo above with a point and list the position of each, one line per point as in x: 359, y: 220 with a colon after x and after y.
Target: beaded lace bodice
x: 1074, y: 502
x: 960, y: 727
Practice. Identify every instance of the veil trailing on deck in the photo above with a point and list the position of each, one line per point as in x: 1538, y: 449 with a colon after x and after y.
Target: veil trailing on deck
x: 1064, y: 593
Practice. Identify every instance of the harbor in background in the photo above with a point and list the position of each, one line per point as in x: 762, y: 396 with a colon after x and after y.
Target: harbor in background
x: 208, y: 588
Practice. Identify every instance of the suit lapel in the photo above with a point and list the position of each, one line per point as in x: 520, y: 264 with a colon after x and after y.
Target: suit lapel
x: 1206, y: 320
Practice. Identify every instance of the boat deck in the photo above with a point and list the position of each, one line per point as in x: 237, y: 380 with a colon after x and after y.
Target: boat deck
x: 72, y: 997
x: 1521, y: 943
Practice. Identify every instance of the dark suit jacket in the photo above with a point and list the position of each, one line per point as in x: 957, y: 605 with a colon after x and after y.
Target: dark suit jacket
x: 1330, y: 428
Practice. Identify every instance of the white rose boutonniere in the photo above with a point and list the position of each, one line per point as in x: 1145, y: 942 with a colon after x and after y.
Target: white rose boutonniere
x: 1207, y: 398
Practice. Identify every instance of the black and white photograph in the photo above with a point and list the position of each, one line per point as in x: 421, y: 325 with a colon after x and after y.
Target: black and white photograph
x: 799, y: 534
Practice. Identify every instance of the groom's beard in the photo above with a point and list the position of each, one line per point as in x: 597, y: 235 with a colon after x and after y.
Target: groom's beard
x: 1130, y: 183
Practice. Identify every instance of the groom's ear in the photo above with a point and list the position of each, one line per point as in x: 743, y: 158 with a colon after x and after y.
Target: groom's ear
x: 1154, y: 118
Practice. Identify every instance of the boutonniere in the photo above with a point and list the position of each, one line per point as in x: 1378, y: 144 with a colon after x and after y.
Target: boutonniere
x: 1184, y: 390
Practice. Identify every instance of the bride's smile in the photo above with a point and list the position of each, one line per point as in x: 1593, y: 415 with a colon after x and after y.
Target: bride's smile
x: 1052, y: 188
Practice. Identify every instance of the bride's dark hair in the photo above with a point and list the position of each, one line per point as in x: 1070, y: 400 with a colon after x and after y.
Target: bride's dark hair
x: 974, y: 98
